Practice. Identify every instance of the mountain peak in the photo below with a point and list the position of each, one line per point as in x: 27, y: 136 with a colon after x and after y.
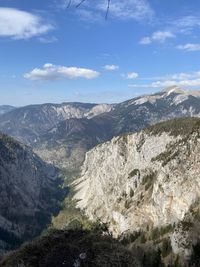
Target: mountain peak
x: 174, y: 89
x: 178, y: 90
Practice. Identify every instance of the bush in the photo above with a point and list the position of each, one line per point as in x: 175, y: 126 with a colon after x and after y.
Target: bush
x: 166, y: 248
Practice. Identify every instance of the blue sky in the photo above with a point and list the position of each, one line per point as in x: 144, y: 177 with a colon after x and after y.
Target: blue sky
x: 54, y: 53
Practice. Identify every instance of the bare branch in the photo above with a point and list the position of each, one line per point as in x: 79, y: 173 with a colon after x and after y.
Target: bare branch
x: 69, y: 3
x: 108, y: 7
x: 80, y: 3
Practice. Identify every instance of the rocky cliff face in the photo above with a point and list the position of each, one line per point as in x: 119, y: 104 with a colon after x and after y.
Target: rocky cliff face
x: 29, y: 193
x: 146, y: 179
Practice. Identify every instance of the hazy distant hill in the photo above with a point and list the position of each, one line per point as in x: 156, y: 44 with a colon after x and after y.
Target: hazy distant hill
x: 5, y: 108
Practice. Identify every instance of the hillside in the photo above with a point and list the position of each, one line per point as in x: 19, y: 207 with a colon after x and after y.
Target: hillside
x: 29, y: 193
x: 66, y: 144
x: 73, y: 248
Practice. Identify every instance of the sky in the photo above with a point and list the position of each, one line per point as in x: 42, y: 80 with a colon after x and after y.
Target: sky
x: 54, y: 51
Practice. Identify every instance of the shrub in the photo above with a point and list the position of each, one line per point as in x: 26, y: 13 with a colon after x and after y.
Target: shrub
x: 166, y: 248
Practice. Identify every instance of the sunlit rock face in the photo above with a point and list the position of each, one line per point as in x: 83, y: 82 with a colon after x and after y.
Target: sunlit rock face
x: 150, y: 178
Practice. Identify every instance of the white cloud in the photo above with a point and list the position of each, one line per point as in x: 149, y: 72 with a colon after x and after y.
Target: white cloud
x: 54, y: 72
x: 181, y: 79
x: 19, y: 24
x: 132, y: 75
x: 158, y: 36
x: 189, y: 47
x: 161, y: 36
x: 111, y: 67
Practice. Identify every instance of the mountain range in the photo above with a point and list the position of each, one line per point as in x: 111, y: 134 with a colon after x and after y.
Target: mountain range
x: 29, y: 122
x: 137, y: 164
x: 61, y: 134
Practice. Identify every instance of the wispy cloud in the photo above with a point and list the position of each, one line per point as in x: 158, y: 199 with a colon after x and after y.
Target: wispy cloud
x: 172, y: 28
x: 189, y: 47
x: 51, y: 72
x: 18, y: 24
x: 128, y: 9
x: 158, y: 36
x: 181, y: 79
x: 111, y: 67
x: 48, y: 39
x: 185, y: 24
x: 138, y: 10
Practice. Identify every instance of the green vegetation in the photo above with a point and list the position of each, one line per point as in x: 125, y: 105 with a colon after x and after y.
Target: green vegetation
x: 175, y: 127
x: 148, y: 180
x: 131, y: 192
x: 166, y: 248
x: 134, y: 172
x: 63, y: 248
x: 71, y: 217
x: 167, y: 156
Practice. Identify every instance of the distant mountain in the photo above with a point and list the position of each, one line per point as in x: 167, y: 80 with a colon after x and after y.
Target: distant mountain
x: 5, y: 108
x: 29, y: 193
x: 66, y: 143
x: 29, y: 122
x: 137, y: 113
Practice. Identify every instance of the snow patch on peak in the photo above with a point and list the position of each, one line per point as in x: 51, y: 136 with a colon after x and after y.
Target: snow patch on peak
x: 174, y: 89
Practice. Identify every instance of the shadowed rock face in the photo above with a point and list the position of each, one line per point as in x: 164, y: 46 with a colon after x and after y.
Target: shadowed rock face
x: 29, y: 193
